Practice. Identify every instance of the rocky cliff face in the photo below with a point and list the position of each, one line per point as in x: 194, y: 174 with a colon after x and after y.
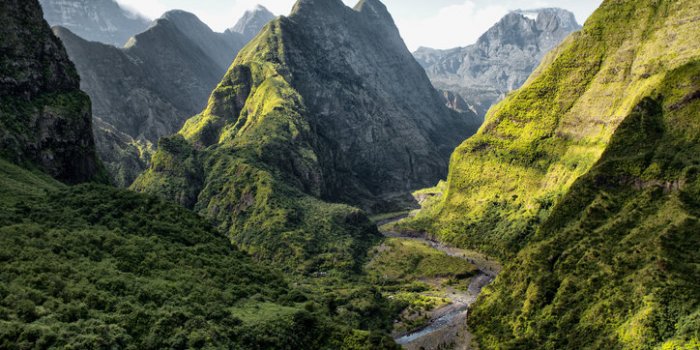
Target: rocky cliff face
x: 44, y: 117
x: 147, y: 89
x: 252, y: 21
x: 367, y: 97
x: 326, y: 104
x: 501, y: 60
x: 95, y: 20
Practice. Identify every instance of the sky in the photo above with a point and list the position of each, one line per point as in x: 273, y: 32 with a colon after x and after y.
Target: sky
x: 439, y: 24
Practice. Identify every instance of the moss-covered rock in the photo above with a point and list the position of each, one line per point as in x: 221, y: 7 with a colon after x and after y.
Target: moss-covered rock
x: 584, y: 182
x: 45, y: 119
x: 310, y: 115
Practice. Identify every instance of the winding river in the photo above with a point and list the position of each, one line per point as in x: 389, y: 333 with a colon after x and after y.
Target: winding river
x: 448, y: 326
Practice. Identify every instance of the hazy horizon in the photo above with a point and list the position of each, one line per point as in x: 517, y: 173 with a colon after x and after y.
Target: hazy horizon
x: 439, y: 24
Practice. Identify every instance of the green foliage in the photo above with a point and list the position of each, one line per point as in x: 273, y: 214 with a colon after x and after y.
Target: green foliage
x: 247, y: 164
x: 504, y: 182
x: 416, y: 278
x: 615, y: 265
x: 408, y: 260
x: 95, y: 267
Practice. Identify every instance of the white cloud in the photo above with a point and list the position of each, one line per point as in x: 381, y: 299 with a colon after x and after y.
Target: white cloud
x: 149, y: 8
x: 218, y: 14
x: 452, y: 26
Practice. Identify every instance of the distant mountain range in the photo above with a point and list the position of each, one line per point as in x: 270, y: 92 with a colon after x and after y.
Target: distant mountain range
x: 95, y: 20
x: 148, y: 88
x: 249, y: 25
x: 479, y: 75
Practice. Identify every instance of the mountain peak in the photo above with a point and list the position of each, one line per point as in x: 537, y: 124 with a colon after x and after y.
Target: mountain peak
x: 252, y: 22
x: 186, y: 22
x: 317, y: 7
x: 374, y: 8
x: 551, y: 18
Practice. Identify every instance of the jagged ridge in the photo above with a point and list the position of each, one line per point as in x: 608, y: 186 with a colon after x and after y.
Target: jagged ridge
x: 308, y: 113
x: 149, y: 88
x: 502, y: 58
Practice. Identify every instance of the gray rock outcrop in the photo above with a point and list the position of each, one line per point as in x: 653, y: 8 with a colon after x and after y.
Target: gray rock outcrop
x: 45, y: 120
x: 151, y: 86
x: 252, y: 21
x: 501, y: 60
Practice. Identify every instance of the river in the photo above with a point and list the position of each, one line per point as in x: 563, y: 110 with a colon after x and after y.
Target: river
x: 449, y: 326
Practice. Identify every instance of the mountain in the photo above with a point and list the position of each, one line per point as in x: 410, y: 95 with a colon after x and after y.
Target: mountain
x: 585, y: 182
x: 324, y: 106
x: 252, y: 21
x: 501, y: 60
x: 44, y: 117
x: 95, y: 20
x: 148, y: 89
x: 90, y: 266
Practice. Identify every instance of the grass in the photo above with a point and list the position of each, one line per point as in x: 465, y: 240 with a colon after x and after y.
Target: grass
x: 402, y: 259
x: 416, y: 277
x: 386, y: 216
x: 614, y: 266
x: 504, y: 182
x: 583, y: 182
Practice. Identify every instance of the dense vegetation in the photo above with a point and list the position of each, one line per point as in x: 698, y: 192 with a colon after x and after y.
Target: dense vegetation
x: 504, y: 182
x: 616, y: 264
x: 416, y: 278
x: 248, y: 164
x: 95, y: 267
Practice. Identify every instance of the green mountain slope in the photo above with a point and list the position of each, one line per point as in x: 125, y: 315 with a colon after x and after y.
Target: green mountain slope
x: 505, y: 181
x: 586, y: 182
x: 616, y: 264
x: 93, y: 267
x: 306, y: 117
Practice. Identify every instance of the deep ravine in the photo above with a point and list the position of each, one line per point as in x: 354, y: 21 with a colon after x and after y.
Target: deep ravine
x: 449, y: 326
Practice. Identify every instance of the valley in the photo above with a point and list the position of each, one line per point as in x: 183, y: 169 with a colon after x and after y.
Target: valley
x: 306, y: 181
x: 444, y: 322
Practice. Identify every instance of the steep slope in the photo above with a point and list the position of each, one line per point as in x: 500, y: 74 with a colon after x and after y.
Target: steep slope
x: 149, y: 88
x: 505, y: 181
x: 501, y: 60
x: 310, y: 111
x: 44, y: 117
x: 252, y: 21
x: 95, y: 20
x: 616, y: 264
x: 90, y: 267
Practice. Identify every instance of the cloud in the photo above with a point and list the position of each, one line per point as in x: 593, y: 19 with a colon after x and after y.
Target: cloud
x: 149, y: 8
x: 452, y: 26
x: 218, y: 14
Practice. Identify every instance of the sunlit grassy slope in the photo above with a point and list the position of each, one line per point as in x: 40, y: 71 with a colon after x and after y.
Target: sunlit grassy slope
x: 504, y: 181
x: 616, y: 264
x: 586, y: 182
